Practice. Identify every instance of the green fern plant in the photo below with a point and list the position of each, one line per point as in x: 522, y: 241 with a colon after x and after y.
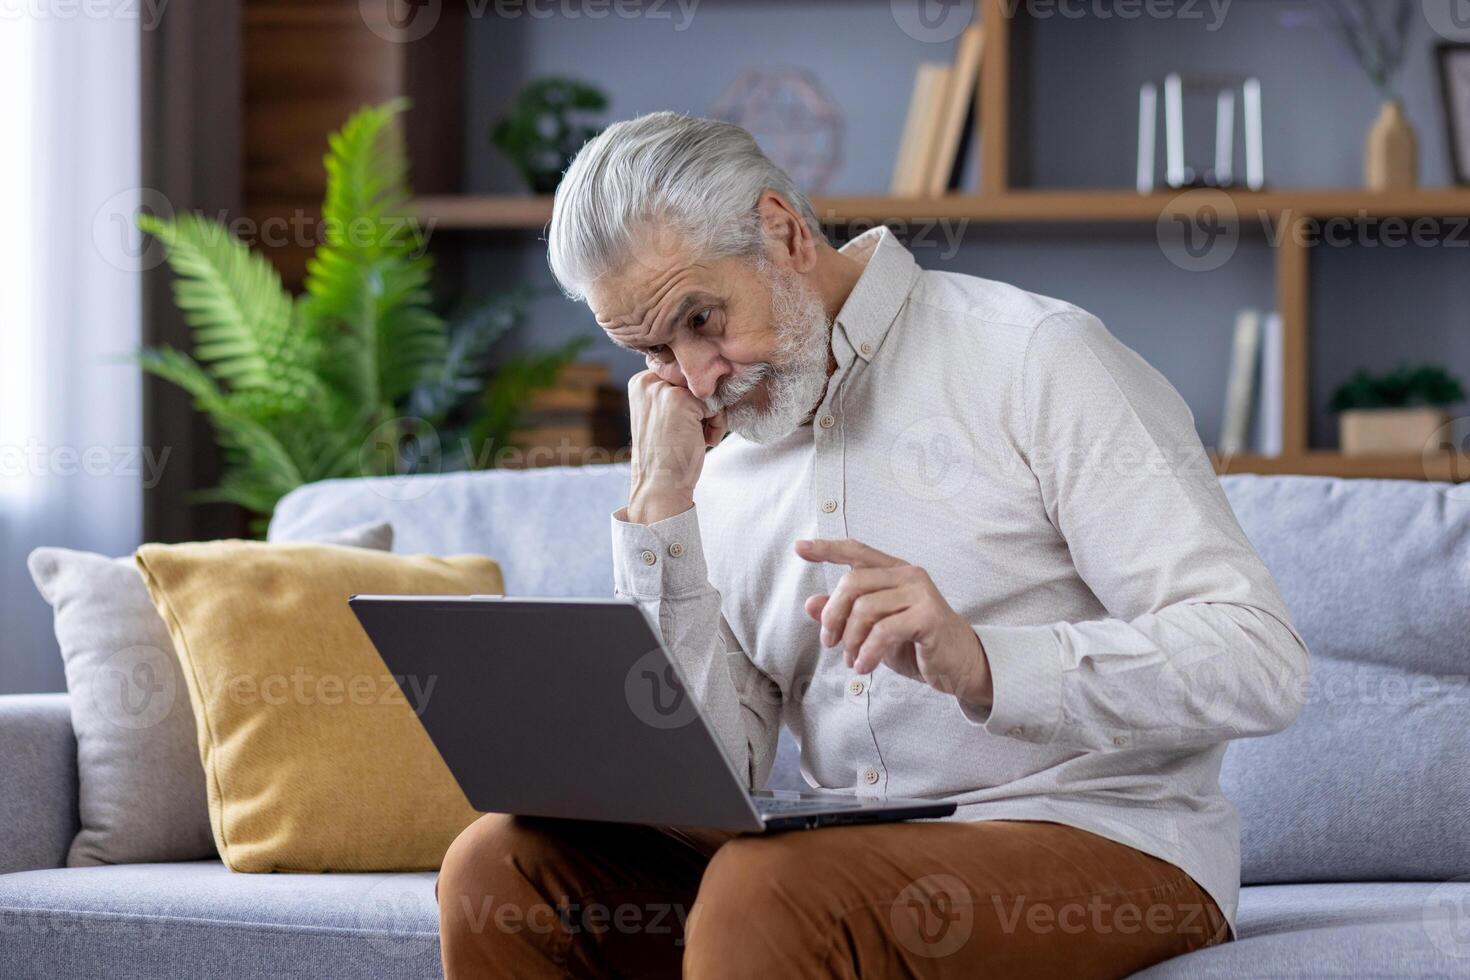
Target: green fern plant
x: 312, y: 387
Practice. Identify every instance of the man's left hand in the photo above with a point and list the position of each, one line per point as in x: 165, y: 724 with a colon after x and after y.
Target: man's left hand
x: 887, y: 611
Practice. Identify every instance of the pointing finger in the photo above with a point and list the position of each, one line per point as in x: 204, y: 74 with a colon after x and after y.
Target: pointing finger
x: 844, y: 551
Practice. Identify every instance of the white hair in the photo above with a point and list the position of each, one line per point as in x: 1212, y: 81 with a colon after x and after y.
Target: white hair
x: 692, y: 182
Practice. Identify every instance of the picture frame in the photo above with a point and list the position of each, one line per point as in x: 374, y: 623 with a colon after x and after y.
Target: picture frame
x: 1454, y: 78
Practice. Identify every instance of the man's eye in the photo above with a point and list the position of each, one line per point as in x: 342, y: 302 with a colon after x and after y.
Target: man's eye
x: 701, y: 318
x: 657, y: 351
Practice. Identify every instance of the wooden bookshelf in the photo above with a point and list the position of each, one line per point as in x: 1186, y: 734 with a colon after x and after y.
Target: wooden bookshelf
x: 1255, y: 211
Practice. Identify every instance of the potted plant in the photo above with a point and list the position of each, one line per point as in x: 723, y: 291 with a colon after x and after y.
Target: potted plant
x: 1396, y: 412
x: 358, y: 376
x: 550, y: 121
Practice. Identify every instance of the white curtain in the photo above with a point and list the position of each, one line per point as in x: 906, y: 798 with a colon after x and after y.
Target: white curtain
x: 72, y: 464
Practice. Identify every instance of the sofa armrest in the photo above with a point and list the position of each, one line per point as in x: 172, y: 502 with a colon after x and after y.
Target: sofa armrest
x: 38, y: 781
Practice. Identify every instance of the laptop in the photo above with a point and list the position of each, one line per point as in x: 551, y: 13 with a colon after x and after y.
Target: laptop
x: 573, y: 708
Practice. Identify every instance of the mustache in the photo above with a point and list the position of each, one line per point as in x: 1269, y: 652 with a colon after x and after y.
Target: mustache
x: 733, y: 389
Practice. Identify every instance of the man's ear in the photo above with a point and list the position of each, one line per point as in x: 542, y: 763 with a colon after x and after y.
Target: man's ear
x: 787, y: 235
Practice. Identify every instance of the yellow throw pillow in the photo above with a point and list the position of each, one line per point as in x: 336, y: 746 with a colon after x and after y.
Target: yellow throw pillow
x: 313, y: 758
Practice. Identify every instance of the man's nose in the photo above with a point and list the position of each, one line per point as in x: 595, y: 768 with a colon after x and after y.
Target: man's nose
x: 703, y: 375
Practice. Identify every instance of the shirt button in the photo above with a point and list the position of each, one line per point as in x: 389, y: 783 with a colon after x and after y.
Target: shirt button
x: 1119, y: 741
x: 867, y: 348
x: 856, y: 687
x: 870, y: 776
x: 1016, y: 732
x: 649, y: 557
x: 826, y: 421
x: 829, y: 505
x: 676, y: 549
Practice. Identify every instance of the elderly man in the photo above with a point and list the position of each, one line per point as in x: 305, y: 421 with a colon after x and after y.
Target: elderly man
x: 955, y: 536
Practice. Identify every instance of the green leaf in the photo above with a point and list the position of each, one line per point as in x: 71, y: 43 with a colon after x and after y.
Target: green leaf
x: 239, y: 314
x: 254, y: 452
x: 461, y: 373
x: 368, y: 281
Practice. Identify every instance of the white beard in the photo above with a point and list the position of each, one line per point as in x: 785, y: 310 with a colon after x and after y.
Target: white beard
x: 797, y: 371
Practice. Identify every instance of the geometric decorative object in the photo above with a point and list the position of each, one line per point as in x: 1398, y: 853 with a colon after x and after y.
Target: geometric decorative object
x: 796, y: 124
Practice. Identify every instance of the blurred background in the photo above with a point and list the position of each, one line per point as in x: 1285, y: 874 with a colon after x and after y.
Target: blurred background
x: 257, y: 243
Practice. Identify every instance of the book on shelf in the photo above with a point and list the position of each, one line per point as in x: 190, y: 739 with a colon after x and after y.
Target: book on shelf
x: 1253, y: 409
x: 1241, y: 382
x: 941, y: 121
x: 1270, y: 413
x: 958, y: 114
x: 925, y: 102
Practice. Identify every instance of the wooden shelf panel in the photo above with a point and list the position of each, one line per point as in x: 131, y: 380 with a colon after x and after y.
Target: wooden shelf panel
x: 485, y: 211
x: 1254, y: 210
x: 1450, y: 467
x: 1130, y: 207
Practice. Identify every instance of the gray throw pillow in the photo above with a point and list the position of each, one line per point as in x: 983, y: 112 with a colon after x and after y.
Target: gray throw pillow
x: 140, y: 789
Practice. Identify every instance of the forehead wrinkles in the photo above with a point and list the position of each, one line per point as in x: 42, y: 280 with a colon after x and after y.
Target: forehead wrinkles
x: 644, y: 319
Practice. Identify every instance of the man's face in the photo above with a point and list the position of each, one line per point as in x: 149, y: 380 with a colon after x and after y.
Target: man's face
x: 746, y: 337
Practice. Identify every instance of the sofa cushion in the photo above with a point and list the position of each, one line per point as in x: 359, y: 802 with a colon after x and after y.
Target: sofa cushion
x: 140, y: 786
x: 314, y: 757
x: 1370, y: 783
x: 548, y: 527
x: 1387, y: 929
x: 197, y: 919
x: 132, y: 922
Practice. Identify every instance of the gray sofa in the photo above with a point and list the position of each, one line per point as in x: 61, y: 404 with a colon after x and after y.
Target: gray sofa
x: 1355, y: 822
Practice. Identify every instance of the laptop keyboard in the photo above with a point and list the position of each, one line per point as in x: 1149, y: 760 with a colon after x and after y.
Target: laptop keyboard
x: 769, y: 806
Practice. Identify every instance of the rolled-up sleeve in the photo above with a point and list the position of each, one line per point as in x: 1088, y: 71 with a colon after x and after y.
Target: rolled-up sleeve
x: 661, y: 566
x: 1198, y: 646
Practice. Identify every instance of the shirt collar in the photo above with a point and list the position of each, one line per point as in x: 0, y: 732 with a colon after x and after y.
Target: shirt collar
x: 881, y: 289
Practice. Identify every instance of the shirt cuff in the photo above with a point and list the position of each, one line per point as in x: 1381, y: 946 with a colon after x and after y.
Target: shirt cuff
x: 665, y: 558
x: 1026, y: 672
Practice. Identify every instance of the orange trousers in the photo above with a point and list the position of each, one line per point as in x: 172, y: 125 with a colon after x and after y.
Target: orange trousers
x: 525, y: 898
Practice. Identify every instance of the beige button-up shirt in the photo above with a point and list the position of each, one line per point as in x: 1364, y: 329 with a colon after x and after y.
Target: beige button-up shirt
x: 1053, y: 486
